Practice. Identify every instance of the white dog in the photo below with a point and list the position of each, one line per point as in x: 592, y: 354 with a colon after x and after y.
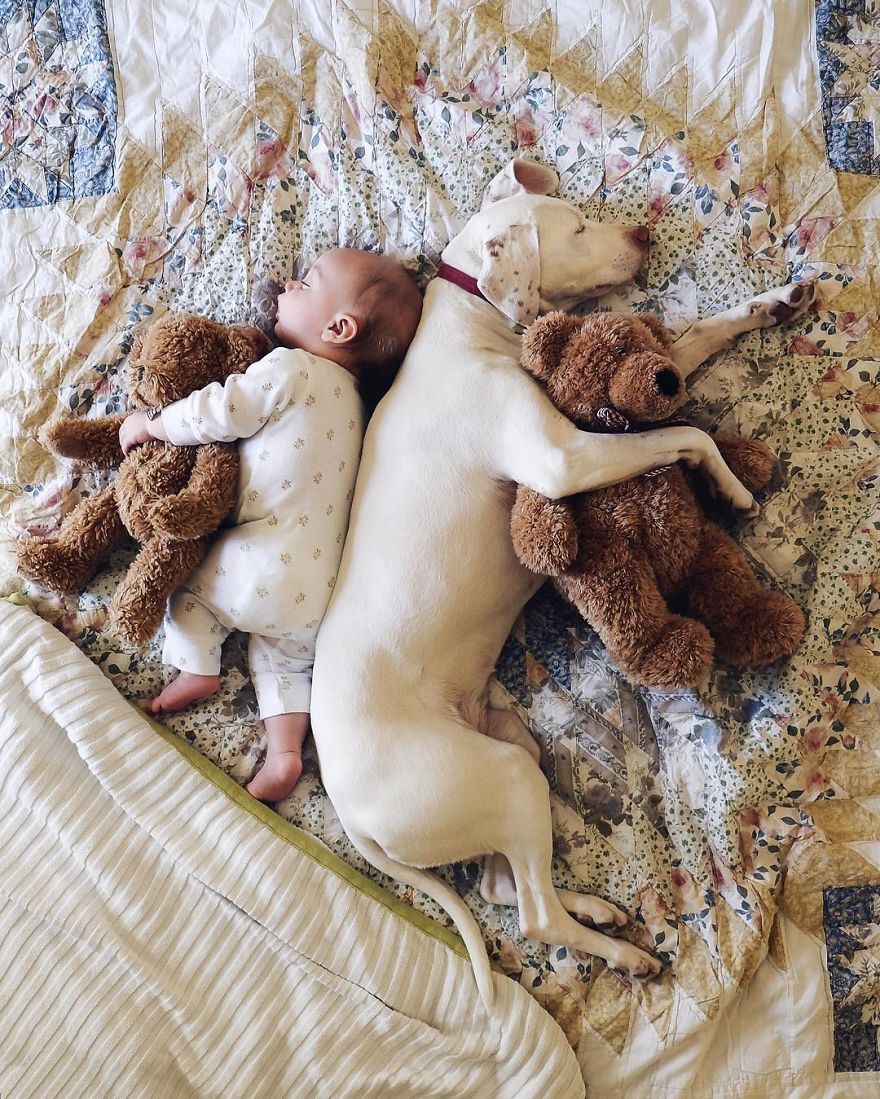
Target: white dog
x: 420, y: 767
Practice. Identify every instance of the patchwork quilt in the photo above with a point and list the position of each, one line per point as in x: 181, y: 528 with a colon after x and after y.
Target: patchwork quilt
x: 154, y: 160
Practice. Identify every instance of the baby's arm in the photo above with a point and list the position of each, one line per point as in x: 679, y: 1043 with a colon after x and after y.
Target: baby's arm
x: 138, y: 428
x: 219, y: 413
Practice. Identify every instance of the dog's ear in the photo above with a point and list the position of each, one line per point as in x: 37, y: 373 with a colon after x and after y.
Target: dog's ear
x: 521, y: 177
x: 545, y: 341
x: 510, y: 275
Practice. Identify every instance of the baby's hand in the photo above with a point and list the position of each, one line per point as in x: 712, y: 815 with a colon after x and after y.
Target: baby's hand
x: 135, y: 430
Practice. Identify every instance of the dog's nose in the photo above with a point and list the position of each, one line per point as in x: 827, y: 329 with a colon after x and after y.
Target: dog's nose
x: 641, y: 234
x: 667, y: 382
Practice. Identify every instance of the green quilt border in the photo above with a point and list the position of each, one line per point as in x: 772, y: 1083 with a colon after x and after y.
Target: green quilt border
x: 304, y: 842
x: 290, y: 833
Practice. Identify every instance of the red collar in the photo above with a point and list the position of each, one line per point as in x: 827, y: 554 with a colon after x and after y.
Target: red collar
x: 466, y: 282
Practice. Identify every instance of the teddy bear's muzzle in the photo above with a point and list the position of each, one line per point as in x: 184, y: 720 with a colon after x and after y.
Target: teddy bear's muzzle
x: 667, y: 382
x: 646, y: 387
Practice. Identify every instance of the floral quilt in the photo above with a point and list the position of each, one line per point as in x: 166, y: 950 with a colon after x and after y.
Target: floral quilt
x: 198, y: 171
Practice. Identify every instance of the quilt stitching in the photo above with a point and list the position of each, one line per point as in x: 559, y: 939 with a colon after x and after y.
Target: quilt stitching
x: 697, y: 803
x: 58, y: 102
x: 852, y: 939
x: 848, y: 43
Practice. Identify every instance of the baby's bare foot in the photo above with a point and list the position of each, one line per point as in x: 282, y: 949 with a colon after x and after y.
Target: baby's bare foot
x: 277, y: 777
x: 180, y: 692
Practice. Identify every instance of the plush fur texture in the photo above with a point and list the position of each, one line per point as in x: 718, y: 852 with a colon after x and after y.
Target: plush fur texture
x: 170, y: 499
x: 632, y: 555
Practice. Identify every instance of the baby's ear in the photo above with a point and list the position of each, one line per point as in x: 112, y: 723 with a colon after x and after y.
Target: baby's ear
x: 545, y: 340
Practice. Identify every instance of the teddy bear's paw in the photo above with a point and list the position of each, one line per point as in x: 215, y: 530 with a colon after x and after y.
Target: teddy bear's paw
x: 183, y: 517
x: 681, y: 656
x: 768, y: 627
x: 544, y: 534
x: 52, y: 565
x: 65, y: 439
x: 135, y: 616
x: 751, y: 460
x: 783, y: 303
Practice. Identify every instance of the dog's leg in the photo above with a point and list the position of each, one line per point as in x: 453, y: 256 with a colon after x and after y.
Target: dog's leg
x: 506, y: 725
x: 528, y: 845
x: 536, y: 446
x: 485, y: 796
x: 718, y: 333
x: 497, y: 885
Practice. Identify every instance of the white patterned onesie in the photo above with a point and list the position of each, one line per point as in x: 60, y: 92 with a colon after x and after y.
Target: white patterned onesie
x: 301, y: 423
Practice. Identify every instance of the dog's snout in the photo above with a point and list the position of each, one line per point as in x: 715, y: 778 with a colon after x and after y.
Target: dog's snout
x: 667, y: 382
x: 640, y: 234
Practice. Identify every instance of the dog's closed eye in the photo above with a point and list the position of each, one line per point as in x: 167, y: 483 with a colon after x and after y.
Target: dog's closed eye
x: 580, y: 229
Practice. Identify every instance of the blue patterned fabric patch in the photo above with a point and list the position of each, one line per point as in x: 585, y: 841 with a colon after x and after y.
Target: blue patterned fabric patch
x: 547, y: 620
x: 57, y: 102
x: 848, y: 42
x: 852, y: 939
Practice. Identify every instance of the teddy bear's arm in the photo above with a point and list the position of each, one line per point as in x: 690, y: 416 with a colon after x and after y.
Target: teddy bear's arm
x: 543, y: 532
x: 751, y: 460
x: 93, y: 443
x: 201, y: 507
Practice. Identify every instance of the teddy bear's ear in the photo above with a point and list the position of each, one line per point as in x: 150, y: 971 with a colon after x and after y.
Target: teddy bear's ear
x: 545, y: 340
x: 657, y: 328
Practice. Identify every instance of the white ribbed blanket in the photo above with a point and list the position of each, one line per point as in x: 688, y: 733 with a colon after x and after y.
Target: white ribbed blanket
x: 159, y: 939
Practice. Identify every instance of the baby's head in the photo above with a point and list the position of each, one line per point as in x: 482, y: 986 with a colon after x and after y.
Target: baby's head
x: 356, y: 308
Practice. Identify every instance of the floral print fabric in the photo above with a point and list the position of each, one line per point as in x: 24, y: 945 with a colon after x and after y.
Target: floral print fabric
x: 688, y: 810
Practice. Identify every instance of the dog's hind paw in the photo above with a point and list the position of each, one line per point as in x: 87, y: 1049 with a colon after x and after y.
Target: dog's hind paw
x: 632, y: 962
x: 595, y: 912
x: 783, y: 303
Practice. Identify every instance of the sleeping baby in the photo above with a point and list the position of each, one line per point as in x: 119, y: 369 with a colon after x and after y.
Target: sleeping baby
x: 299, y: 415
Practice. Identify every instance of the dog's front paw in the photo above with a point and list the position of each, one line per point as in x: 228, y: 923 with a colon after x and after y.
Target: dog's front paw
x: 782, y: 304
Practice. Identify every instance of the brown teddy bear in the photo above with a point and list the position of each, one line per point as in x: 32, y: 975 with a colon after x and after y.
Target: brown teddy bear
x: 622, y: 555
x: 170, y: 499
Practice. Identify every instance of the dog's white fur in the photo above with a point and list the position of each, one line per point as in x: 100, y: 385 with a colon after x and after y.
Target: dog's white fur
x: 421, y: 768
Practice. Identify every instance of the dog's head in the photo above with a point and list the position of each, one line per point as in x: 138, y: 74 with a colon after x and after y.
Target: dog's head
x: 531, y: 252
x: 173, y: 356
x: 607, y: 370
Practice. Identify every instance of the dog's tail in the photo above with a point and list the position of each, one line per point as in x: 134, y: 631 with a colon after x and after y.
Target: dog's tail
x: 448, y: 899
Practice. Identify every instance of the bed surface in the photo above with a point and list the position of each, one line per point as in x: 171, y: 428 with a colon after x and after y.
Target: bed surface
x: 149, y: 165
